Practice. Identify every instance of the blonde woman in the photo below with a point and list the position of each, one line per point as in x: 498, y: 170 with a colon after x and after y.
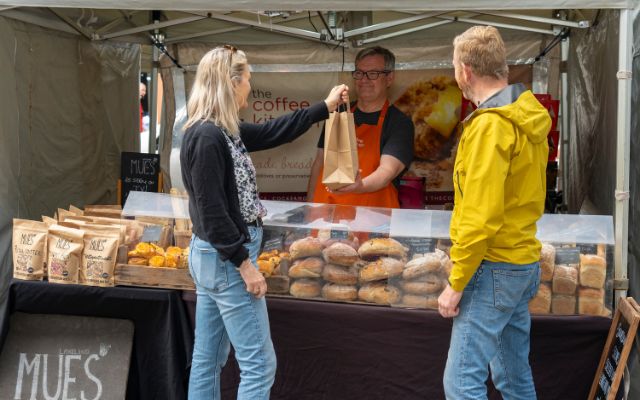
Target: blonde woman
x: 227, y: 227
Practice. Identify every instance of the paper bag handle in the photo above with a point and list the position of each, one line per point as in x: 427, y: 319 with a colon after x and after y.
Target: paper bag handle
x: 347, y: 106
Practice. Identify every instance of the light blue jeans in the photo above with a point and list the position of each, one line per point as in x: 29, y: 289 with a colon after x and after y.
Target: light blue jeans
x: 226, y: 314
x: 492, y: 328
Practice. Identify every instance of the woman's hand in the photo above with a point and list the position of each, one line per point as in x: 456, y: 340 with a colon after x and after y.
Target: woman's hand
x: 256, y: 285
x: 338, y: 95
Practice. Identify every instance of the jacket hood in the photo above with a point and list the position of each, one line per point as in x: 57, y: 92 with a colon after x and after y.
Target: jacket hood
x: 519, y: 105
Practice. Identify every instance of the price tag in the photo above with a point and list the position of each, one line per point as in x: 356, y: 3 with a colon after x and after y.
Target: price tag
x: 151, y: 233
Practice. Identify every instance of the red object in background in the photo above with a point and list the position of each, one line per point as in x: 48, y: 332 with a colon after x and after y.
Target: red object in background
x: 411, y: 192
x: 554, y: 141
x: 553, y: 106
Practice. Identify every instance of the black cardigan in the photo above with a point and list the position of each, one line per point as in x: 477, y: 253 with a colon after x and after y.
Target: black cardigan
x: 208, y: 175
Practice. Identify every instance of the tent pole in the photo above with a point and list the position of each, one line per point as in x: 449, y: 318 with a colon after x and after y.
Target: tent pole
x: 564, y: 104
x: 153, y: 90
x: 623, y: 131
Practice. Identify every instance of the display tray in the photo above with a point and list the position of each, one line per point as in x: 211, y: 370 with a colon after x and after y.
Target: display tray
x: 153, y: 277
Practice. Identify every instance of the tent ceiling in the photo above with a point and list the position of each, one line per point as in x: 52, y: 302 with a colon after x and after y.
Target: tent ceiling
x: 326, y: 5
x: 291, y: 26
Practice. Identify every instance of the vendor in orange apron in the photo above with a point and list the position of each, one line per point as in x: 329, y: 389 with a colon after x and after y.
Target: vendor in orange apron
x: 369, y: 160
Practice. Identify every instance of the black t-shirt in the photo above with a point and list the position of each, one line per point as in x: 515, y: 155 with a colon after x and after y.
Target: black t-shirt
x: 397, y: 133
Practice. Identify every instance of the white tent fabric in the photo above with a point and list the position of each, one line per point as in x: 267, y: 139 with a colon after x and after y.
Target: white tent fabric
x: 327, y: 5
x: 69, y: 107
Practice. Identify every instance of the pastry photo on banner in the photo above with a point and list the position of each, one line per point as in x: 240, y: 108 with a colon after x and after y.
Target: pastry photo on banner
x: 433, y: 101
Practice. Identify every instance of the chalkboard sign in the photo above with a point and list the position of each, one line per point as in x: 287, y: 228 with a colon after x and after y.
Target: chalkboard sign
x: 274, y: 243
x: 418, y: 245
x: 139, y: 172
x: 616, y: 351
x: 65, y: 356
x: 567, y: 255
x: 339, y: 234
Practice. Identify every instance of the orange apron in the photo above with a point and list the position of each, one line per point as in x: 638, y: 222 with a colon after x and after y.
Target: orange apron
x: 369, y: 160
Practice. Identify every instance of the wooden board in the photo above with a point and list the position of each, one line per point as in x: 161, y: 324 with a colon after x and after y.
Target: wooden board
x: 154, y: 277
x: 622, y: 333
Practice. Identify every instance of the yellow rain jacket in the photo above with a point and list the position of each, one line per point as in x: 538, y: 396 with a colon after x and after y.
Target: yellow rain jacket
x: 500, y: 183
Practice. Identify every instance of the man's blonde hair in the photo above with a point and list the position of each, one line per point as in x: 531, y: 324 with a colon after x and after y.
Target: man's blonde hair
x: 482, y: 48
x: 213, y: 95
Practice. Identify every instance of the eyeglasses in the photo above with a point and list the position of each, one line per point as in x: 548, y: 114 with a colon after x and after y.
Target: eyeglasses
x: 371, y: 75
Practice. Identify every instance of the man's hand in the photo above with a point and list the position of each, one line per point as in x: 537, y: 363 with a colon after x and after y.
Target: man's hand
x: 356, y: 187
x: 256, y: 285
x: 448, y: 302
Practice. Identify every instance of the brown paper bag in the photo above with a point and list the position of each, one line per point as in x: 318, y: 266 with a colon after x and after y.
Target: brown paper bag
x: 340, y: 151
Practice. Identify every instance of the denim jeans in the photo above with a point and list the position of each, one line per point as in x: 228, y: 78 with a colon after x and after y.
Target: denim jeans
x: 226, y: 314
x: 492, y: 329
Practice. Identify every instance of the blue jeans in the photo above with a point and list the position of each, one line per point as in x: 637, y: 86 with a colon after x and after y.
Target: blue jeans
x: 492, y: 329
x: 226, y: 314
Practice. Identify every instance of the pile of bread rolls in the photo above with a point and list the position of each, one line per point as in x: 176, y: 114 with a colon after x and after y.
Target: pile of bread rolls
x: 571, y: 288
x: 375, y: 272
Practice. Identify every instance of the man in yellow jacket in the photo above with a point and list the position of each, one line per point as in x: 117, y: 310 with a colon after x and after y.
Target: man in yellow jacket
x: 499, y: 181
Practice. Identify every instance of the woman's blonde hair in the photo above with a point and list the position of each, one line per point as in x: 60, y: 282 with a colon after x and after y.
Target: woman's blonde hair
x: 213, y: 95
x: 482, y: 48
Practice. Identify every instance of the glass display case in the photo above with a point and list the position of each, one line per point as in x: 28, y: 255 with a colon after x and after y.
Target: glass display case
x: 400, y: 257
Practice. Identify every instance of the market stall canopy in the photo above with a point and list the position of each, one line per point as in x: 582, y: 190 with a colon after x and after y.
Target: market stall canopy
x: 333, y: 5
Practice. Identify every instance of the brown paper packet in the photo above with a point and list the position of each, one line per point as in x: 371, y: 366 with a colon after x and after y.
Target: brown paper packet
x: 49, y: 221
x: 108, y: 211
x: 64, y: 254
x: 62, y: 214
x: 135, y: 228
x: 76, y: 210
x: 99, y: 255
x: 29, y: 249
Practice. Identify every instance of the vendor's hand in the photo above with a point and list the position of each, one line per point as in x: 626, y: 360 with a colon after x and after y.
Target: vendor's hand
x: 448, y: 302
x: 338, y: 95
x: 256, y: 285
x: 356, y: 187
x: 360, y: 142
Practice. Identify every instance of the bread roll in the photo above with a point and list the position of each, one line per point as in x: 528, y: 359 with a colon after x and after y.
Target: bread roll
x: 590, y: 301
x: 593, y: 271
x: 565, y: 280
x: 541, y: 302
x: 340, y: 254
x: 351, y: 242
x: 266, y: 267
x: 383, y: 268
x: 332, y: 291
x: 305, y: 288
x: 563, y: 304
x: 547, y: 262
x: 432, y: 285
x: 307, y: 247
x: 340, y: 274
x: 380, y: 293
x: 412, y: 300
x: 381, y: 247
x: 138, y: 261
x: 307, y: 268
x: 430, y: 263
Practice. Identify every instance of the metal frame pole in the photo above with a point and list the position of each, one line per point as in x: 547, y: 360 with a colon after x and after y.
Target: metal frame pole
x: 623, y: 133
x: 564, y: 109
x: 153, y: 95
